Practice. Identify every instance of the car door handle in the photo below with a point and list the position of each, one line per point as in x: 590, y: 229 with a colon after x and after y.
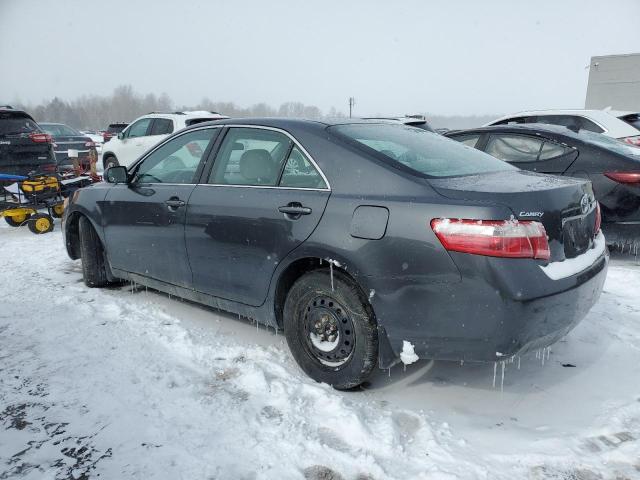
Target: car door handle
x: 174, y: 203
x: 294, y: 209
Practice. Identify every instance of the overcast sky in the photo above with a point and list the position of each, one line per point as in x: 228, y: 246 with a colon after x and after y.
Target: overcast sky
x: 394, y: 57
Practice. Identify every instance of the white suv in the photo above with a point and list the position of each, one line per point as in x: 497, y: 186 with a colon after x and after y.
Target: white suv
x: 624, y: 126
x: 146, y: 131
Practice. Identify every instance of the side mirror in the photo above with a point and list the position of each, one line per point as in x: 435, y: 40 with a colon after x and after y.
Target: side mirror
x: 121, y: 135
x: 117, y: 174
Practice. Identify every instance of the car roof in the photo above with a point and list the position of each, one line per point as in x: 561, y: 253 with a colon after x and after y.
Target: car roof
x: 608, y: 120
x: 286, y: 122
x: 557, y: 132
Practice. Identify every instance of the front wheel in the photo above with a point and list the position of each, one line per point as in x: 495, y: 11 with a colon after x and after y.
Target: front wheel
x: 94, y: 265
x: 330, y: 329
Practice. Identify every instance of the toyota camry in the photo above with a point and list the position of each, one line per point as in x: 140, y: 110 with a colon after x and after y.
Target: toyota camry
x: 367, y: 242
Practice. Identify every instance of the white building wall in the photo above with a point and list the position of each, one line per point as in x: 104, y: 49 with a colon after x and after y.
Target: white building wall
x: 614, y: 81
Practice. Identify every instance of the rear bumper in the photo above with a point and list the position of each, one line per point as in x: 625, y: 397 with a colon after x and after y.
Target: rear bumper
x: 501, y: 308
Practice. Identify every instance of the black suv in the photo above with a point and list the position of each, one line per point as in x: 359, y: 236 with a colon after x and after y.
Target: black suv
x: 24, y: 147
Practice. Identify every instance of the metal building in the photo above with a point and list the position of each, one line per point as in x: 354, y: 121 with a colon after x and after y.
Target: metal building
x: 614, y: 81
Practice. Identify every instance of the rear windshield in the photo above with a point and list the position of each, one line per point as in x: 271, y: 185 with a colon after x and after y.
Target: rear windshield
x: 59, y: 130
x: 633, y: 120
x: 12, y: 124
x: 609, y: 143
x: 424, y: 152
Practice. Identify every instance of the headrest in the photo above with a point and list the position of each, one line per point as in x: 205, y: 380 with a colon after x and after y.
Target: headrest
x: 256, y: 166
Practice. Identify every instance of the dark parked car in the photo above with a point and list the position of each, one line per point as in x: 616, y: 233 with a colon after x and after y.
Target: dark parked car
x: 70, y: 144
x: 113, y: 130
x: 24, y: 147
x: 612, y: 166
x: 387, y: 235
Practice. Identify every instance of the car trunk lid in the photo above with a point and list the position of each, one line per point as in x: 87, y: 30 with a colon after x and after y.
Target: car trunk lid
x: 565, y: 206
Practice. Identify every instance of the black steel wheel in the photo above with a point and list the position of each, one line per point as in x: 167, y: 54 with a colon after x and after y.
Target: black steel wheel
x: 330, y: 329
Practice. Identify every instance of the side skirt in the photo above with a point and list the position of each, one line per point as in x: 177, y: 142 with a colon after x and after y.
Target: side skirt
x: 261, y: 314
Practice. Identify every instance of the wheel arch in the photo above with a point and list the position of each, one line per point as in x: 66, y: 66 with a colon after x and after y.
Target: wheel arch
x: 72, y: 232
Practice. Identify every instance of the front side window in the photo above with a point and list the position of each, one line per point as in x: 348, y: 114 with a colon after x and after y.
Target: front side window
x: 421, y: 151
x: 299, y: 172
x: 161, y: 126
x: 177, y: 160
x: 139, y: 128
x: 250, y: 156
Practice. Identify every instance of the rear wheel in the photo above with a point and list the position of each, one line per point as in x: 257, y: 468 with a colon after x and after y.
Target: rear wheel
x: 17, y: 220
x: 110, y: 161
x: 94, y: 266
x: 40, y: 223
x: 331, y: 329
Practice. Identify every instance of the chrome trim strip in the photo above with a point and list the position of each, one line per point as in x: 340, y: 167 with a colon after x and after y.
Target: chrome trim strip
x: 276, y: 187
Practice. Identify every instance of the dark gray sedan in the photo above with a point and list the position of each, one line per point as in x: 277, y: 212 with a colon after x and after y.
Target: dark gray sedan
x: 364, y: 241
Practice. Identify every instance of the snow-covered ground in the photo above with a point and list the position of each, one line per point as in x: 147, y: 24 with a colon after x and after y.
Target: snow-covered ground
x: 124, y: 383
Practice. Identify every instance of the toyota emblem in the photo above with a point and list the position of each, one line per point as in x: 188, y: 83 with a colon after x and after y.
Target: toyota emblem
x: 584, y: 203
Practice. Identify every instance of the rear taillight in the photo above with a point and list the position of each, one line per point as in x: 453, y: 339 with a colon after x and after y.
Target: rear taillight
x: 40, y: 137
x: 596, y: 228
x: 624, y: 177
x: 635, y: 140
x: 493, y: 238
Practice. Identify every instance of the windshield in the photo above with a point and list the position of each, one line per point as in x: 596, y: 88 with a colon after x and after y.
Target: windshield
x: 11, y: 124
x: 422, y: 151
x: 609, y: 143
x: 59, y: 130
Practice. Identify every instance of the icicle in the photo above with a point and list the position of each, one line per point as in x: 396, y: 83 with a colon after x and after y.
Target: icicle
x: 548, y: 352
x: 389, y: 372
x: 502, y: 378
x: 495, y: 369
x: 544, y: 351
x: 331, y: 268
x: 518, y: 363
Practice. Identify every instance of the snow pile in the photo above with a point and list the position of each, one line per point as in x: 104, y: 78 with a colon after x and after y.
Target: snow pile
x: 408, y: 354
x: 126, y: 383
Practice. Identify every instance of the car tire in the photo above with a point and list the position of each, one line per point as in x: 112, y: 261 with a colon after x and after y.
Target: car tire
x: 94, y: 265
x: 110, y: 161
x: 331, y: 329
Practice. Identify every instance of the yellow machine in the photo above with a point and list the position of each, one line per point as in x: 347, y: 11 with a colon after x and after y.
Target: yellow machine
x: 22, y: 204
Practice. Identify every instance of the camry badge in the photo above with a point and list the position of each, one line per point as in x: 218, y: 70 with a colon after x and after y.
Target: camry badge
x: 531, y: 214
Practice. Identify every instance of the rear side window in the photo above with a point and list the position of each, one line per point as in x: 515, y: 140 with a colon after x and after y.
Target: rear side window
x: 514, y: 148
x: 470, y: 140
x: 633, y: 120
x: 572, y: 122
x: 250, y: 156
x: 423, y: 152
x: 12, y: 124
x: 161, y: 126
x: 521, y: 148
x: 299, y: 172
